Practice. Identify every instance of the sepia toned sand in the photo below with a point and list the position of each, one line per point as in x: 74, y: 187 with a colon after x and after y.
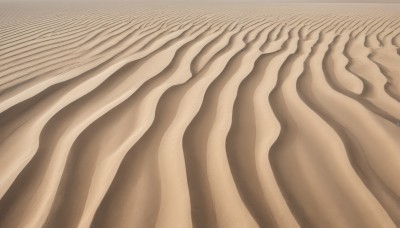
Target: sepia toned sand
x: 228, y: 116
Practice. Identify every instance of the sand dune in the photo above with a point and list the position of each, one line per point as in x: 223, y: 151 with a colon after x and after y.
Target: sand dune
x: 225, y: 116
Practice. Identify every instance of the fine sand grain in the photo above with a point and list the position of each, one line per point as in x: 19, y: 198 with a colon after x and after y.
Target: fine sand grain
x: 196, y: 116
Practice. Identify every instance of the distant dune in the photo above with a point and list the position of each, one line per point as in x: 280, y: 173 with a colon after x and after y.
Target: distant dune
x: 177, y: 117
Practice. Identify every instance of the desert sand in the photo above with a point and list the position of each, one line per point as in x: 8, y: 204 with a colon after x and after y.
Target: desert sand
x: 231, y: 116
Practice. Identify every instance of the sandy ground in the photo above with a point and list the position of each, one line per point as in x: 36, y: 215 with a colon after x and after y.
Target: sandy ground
x: 192, y: 116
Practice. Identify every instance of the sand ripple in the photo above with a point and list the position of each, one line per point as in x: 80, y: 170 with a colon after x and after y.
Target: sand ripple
x: 270, y: 116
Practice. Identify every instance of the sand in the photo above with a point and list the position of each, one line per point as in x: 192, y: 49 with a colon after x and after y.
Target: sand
x: 232, y: 116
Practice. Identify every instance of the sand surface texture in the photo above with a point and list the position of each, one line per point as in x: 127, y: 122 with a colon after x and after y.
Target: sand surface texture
x: 176, y: 116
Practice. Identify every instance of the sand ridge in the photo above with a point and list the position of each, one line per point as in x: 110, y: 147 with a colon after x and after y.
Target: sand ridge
x: 179, y: 116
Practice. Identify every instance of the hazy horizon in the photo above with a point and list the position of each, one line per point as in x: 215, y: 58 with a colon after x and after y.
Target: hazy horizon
x: 200, y: 1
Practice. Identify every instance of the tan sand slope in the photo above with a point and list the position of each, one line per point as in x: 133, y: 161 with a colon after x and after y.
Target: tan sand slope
x: 170, y: 117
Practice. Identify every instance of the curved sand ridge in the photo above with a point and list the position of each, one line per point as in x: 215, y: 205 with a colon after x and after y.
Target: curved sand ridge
x: 267, y: 116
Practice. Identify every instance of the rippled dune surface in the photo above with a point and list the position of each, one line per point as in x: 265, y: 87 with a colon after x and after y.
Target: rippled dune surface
x: 190, y: 116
